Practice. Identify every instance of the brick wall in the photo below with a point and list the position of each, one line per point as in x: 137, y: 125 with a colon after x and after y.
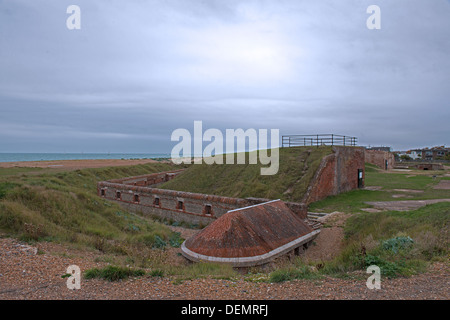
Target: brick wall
x: 337, y: 173
x: 138, y: 194
x: 379, y: 159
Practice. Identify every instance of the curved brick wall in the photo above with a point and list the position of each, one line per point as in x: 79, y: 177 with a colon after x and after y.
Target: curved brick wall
x: 337, y: 173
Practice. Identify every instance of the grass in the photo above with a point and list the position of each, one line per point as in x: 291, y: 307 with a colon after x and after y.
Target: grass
x: 296, y: 168
x: 375, y: 238
x: 113, y: 273
x: 400, y: 243
x: 295, y: 272
x: 205, y: 269
x: 353, y: 201
x: 399, y: 180
x: 18, y: 170
x: 63, y: 207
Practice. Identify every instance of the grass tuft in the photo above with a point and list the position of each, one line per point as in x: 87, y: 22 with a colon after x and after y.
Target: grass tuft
x: 113, y: 273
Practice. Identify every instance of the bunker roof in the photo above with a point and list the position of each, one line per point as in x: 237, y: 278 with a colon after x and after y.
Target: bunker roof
x: 259, y: 232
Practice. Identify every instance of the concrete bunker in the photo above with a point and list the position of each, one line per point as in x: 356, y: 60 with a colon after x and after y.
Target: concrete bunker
x: 250, y: 236
x: 272, y: 227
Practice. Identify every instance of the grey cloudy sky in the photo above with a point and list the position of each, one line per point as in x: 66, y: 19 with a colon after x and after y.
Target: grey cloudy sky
x: 137, y: 70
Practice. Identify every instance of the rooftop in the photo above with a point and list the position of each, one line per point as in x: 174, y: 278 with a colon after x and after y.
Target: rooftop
x: 250, y: 235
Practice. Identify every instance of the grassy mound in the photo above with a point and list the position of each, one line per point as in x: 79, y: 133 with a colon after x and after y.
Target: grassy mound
x: 297, y: 167
x: 64, y: 207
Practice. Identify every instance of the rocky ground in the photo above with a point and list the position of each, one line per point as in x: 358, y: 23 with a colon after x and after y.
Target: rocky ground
x: 35, y: 272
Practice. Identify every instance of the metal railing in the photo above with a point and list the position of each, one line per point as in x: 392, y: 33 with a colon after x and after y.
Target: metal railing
x: 317, y: 140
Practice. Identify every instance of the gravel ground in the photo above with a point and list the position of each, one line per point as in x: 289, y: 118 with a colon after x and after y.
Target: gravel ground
x: 35, y: 273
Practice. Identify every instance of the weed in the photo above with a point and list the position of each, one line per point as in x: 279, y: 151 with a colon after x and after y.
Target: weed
x: 157, y: 273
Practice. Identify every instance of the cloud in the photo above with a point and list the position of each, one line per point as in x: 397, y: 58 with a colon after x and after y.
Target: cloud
x: 137, y: 70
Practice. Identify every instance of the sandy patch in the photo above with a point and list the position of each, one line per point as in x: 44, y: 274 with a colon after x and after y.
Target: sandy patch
x: 328, y: 243
x: 371, y: 210
x: 443, y: 185
x: 373, y: 188
x: 408, y: 190
x: 404, y: 205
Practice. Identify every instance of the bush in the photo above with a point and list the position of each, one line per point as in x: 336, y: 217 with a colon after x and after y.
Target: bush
x: 159, y: 243
x: 176, y: 240
x: 397, y: 243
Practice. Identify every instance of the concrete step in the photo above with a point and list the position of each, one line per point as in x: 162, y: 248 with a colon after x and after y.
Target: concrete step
x: 317, y: 214
x: 314, y: 224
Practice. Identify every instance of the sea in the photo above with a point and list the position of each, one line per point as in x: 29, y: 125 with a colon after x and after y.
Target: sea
x: 13, y: 157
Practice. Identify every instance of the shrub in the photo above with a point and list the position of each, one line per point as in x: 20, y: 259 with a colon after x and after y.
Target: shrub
x: 176, y: 240
x: 397, y: 243
x: 159, y: 243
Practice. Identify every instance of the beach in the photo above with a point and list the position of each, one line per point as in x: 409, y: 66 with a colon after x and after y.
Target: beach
x: 77, y: 164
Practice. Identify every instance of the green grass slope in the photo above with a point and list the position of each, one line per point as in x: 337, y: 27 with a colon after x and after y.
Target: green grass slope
x: 64, y: 207
x: 297, y: 167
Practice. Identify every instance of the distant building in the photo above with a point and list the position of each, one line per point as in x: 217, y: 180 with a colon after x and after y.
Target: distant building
x: 380, y: 158
x: 430, y: 154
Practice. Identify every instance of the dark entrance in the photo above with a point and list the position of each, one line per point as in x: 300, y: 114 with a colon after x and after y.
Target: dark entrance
x: 360, y: 179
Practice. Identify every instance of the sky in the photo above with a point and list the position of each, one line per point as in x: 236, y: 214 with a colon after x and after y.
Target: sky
x: 138, y: 70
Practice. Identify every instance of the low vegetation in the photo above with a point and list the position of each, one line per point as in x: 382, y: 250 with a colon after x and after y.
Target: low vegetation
x: 63, y: 207
x: 113, y: 273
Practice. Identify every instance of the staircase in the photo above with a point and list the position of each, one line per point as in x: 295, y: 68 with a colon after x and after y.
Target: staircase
x: 312, y: 219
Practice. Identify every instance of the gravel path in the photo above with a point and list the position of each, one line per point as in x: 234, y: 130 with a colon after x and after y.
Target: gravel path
x: 35, y: 273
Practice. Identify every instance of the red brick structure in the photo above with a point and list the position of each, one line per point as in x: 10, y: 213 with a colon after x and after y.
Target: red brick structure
x: 241, y: 232
x: 341, y: 171
x: 429, y: 166
x: 250, y: 236
x: 139, y: 194
x: 383, y: 159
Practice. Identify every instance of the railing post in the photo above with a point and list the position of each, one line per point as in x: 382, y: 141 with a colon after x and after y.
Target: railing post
x: 332, y: 139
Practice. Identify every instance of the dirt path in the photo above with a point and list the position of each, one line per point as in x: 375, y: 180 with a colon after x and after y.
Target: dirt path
x: 404, y: 205
x: 328, y: 243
